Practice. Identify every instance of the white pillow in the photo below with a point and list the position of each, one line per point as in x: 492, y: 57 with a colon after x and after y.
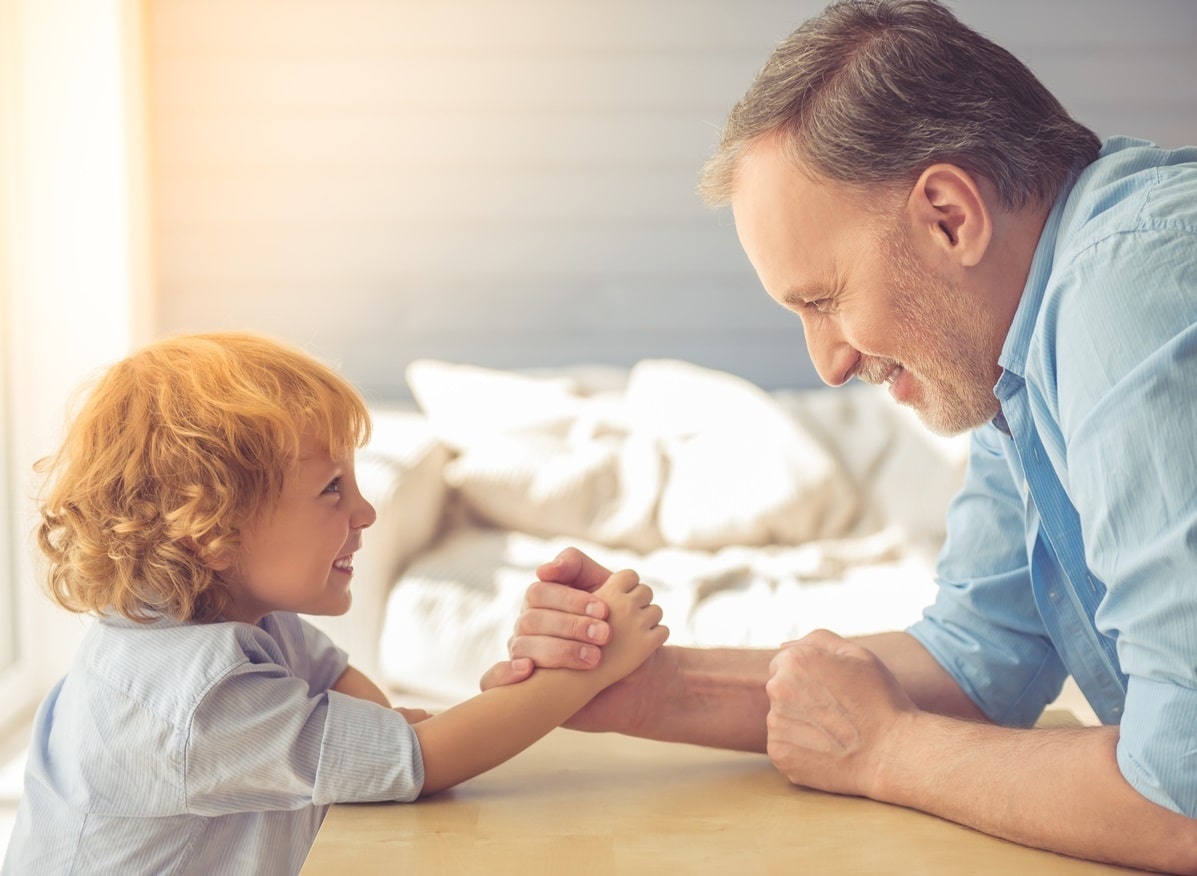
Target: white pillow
x: 741, y: 471
x: 685, y: 456
x: 467, y: 405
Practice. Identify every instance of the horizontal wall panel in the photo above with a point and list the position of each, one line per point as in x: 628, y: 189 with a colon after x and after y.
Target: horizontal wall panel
x: 439, y: 27
x: 481, y: 139
x: 476, y: 305
x: 309, y: 27
x: 489, y: 83
x: 396, y: 197
x: 326, y: 253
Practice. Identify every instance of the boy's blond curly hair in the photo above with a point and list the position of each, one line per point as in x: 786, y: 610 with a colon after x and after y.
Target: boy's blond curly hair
x: 173, y: 451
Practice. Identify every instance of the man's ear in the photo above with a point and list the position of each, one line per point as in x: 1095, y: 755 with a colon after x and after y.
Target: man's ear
x: 949, y: 209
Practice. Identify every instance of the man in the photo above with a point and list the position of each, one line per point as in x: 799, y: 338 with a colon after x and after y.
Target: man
x: 940, y: 224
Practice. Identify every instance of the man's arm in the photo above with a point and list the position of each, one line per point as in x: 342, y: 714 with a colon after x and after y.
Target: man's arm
x: 841, y: 721
x: 703, y: 696
x: 911, y: 737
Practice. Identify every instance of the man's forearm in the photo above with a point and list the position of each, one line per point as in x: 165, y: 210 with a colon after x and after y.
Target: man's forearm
x: 1054, y: 788
x: 716, y: 696
x: 921, y: 676
x: 706, y: 696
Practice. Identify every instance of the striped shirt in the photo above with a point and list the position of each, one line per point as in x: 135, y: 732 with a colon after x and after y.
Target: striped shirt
x: 201, y: 748
x: 1072, y: 548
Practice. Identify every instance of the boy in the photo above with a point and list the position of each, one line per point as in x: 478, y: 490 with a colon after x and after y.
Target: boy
x: 203, y: 498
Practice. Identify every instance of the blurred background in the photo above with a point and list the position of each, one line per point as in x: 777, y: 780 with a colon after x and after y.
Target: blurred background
x: 505, y: 184
x: 513, y: 184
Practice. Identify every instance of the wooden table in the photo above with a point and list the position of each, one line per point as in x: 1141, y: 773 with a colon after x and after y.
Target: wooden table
x: 582, y: 804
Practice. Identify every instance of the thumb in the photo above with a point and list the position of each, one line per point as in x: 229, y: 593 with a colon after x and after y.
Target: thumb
x: 506, y: 672
x: 574, y: 568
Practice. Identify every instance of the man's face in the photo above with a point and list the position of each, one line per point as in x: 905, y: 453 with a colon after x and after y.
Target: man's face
x: 869, y: 307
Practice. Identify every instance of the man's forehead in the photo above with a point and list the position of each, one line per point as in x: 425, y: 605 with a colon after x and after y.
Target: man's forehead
x: 785, y: 219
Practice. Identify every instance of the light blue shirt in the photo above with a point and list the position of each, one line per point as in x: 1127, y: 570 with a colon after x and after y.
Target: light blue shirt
x: 1073, y: 546
x: 199, y: 749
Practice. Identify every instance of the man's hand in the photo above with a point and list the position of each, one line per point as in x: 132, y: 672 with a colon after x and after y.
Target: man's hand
x: 566, y: 627
x: 561, y: 627
x: 832, y: 706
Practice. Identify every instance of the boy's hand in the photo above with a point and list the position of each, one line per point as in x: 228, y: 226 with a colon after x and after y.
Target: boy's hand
x: 635, y: 621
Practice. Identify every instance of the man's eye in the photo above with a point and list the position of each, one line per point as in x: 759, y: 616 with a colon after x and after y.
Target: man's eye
x: 334, y: 486
x: 820, y: 305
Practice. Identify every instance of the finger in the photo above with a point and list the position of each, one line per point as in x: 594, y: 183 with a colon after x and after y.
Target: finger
x: 623, y: 581
x: 561, y: 625
x: 554, y: 597
x: 553, y: 653
x: 574, y: 568
x: 656, y: 614
x: 507, y: 672
x: 824, y: 640
x: 641, y: 595
x: 790, y: 661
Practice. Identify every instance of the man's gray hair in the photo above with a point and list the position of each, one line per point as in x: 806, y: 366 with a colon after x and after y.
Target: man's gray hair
x: 872, y: 92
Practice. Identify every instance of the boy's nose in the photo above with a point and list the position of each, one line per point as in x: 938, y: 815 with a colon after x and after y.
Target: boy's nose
x: 364, y: 516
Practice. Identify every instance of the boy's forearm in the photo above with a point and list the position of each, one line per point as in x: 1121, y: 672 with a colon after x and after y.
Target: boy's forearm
x: 483, y: 731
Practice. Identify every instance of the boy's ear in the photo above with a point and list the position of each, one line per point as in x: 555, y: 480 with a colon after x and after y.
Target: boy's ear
x: 950, y: 214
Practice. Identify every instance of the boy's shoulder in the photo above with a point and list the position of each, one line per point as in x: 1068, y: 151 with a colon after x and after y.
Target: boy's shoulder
x: 167, y: 666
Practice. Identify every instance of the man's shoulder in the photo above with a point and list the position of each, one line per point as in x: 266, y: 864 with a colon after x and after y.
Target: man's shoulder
x: 1134, y: 186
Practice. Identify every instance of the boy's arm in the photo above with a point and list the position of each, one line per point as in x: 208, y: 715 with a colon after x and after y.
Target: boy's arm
x: 482, y: 732
x: 355, y: 684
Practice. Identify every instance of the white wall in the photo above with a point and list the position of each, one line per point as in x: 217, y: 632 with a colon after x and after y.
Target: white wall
x: 75, y: 278
x: 512, y: 184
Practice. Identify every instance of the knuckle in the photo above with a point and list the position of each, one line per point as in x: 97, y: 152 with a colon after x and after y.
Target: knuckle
x: 537, y: 593
x: 627, y: 578
x: 579, y: 628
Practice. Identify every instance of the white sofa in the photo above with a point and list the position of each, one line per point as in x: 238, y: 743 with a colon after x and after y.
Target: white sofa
x: 755, y: 516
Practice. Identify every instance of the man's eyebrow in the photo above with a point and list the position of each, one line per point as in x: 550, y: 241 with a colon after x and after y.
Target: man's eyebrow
x: 796, y: 297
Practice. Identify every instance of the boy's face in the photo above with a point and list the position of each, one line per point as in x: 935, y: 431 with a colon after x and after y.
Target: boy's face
x: 298, y: 556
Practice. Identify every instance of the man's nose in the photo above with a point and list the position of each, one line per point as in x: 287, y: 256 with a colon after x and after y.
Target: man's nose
x: 834, y: 358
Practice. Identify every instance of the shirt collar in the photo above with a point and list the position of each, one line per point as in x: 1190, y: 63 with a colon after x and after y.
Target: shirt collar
x: 1018, y: 340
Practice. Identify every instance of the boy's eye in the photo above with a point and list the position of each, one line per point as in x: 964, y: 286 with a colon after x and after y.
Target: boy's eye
x: 334, y: 486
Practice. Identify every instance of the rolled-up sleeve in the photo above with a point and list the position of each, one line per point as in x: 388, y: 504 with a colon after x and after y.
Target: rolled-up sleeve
x: 259, y: 741
x: 984, y: 627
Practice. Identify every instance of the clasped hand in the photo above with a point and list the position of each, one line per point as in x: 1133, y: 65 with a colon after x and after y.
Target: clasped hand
x: 834, y: 708
x: 834, y: 712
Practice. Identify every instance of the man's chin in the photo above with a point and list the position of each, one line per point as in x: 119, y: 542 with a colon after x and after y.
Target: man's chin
x: 955, y: 420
